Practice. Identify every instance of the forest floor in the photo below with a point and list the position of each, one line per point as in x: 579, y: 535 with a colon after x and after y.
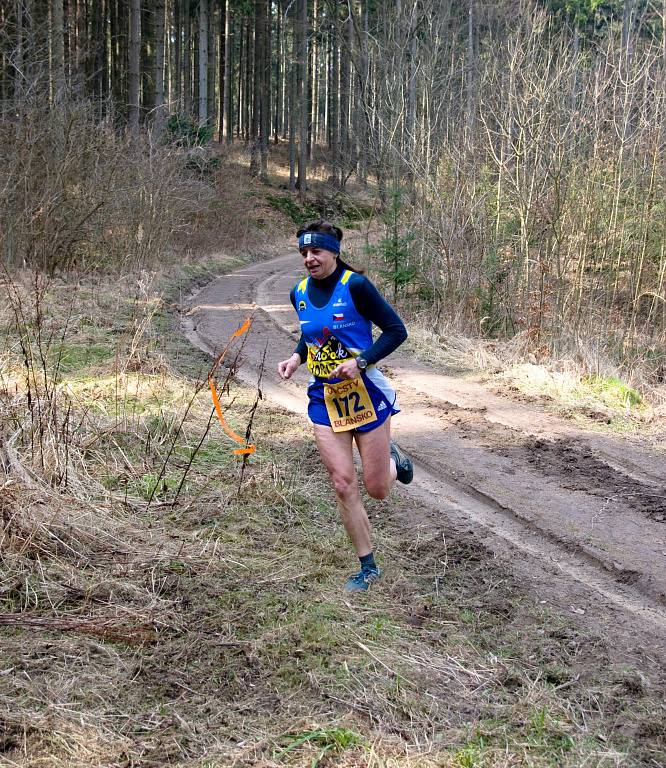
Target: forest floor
x: 165, y: 604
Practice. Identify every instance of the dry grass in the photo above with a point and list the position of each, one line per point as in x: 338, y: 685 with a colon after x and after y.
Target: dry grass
x: 210, y: 629
x: 587, y: 388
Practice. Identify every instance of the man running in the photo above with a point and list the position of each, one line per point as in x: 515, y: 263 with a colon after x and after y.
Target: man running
x: 349, y: 397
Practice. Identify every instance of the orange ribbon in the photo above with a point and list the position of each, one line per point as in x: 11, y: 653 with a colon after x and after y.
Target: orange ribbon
x: 247, y: 448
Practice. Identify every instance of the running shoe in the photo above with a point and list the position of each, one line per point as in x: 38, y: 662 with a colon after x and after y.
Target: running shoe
x: 362, y: 580
x: 403, y: 464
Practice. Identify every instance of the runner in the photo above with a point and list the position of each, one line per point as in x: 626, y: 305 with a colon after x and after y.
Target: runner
x: 350, y: 399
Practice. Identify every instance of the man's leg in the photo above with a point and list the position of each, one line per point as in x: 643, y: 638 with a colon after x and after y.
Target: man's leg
x: 336, y: 451
x: 379, y: 470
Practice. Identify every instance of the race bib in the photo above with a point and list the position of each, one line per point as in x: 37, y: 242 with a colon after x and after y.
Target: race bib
x: 323, y: 360
x: 348, y: 404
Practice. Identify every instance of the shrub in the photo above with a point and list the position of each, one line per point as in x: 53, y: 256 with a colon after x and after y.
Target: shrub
x: 184, y: 131
x: 75, y: 193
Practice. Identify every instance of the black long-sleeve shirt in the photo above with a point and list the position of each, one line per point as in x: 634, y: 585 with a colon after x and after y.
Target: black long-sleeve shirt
x: 369, y: 303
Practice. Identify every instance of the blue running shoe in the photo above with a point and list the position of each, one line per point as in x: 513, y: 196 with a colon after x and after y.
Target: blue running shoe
x: 403, y: 465
x: 362, y: 580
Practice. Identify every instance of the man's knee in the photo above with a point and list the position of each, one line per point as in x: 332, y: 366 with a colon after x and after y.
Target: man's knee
x: 377, y: 488
x: 344, y: 485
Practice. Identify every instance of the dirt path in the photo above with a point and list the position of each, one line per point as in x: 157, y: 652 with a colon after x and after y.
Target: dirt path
x: 579, y: 516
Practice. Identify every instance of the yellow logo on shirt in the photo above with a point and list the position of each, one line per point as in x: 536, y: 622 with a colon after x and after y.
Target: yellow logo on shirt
x: 323, y: 360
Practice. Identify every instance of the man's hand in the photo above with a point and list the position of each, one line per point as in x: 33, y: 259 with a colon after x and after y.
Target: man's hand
x: 287, y: 367
x: 346, y: 370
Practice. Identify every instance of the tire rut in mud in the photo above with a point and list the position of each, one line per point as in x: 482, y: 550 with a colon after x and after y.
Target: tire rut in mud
x: 580, y: 470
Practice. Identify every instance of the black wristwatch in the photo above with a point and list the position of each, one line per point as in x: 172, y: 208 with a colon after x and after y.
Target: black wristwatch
x: 361, y: 362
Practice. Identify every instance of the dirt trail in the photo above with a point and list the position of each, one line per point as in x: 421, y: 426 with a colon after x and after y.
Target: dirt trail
x: 578, y: 516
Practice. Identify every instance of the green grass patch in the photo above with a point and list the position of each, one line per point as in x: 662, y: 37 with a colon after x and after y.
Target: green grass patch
x: 292, y: 210
x: 343, y: 210
x: 324, y: 742
x: 76, y: 357
x: 612, y: 391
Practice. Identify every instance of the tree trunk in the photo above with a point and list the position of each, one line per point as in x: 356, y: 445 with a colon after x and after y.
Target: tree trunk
x: 240, y: 99
x: 176, y: 69
x: 292, y: 101
x: 247, y: 84
x: 212, y: 69
x: 257, y: 89
x: 82, y: 37
x: 19, y: 72
x: 160, y: 115
x: 286, y: 75
x: 471, y: 71
x: 302, y: 96
x: 203, y: 62
x: 134, y: 65
x: 313, y: 97
x: 222, y: 63
x: 57, y: 52
x: 187, y: 57
x: 228, y: 90
x: 118, y: 50
x: 364, y: 97
x: 335, y: 97
x: 345, y: 94
x: 265, y: 100
x: 106, y: 53
x: 97, y: 57
x: 410, y: 123
x: 147, y: 62
x: 278, y: 74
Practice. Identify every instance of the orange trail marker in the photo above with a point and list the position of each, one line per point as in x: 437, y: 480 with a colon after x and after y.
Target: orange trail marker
x: 247, y: 448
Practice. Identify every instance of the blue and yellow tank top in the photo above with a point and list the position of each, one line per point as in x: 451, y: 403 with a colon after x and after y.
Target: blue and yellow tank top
x: 335, y: 332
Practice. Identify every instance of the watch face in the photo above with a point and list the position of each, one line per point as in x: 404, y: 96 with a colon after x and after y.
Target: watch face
x: 361, y: 362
